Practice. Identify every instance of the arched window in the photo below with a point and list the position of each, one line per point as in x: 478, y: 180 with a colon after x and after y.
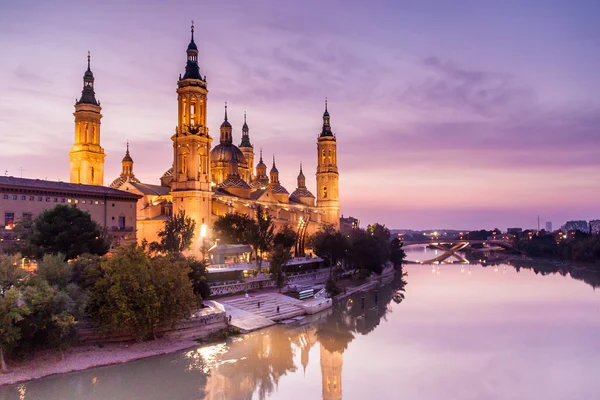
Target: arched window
x: 86, y: 132
x: 94, y: 134
x: 92, y: 176
x: 330, y: 157
x: 183, y: 111
x: 323, y: 157
x: 184, y: 163
x: 78, y: 139
x: 324, y: 192
x: 193, y: 112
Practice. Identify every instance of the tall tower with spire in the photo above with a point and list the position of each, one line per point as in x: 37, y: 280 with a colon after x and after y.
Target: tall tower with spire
x: 248, y: 151
x: 190, y: 184
x: 86, y: 155
x: 328, y: 199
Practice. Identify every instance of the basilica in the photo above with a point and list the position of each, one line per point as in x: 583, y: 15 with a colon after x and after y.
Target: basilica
x: 207, y: 180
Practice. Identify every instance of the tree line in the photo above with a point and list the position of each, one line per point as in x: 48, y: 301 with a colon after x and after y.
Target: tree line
x: 136, y: 290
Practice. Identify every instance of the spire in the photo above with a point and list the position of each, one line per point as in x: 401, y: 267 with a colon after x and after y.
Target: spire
x: 226, y: 130
x: 245, y: 134
x: 301, y: 179
x: 127, y: 155
x: 274, y: 173
x: 261, y: 160
x: 88, y: 96
x: 326, y: 131
x: 192, y: 70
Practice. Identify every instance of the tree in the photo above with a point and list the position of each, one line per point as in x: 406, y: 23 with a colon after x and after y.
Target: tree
x: 54, y: 270
x: 198, y: 277
x: 397, y: 254
x: 10, y: 271
x: 286, y: 236
x: 177, y: 235
x: 280, y: 255
x: 85, y: 271
x: 12, y: 311
x: 232, y: 228
x: 330, y: 244
x: 367, y: 253
x: 66, y: 230
x: 261, y: 235
x: 139, y: 294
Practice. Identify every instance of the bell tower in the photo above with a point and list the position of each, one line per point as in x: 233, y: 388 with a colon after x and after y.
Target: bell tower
x: 86, y: 155
x: 248, y: 151
x: 327, y: 174
x: 190, y: 186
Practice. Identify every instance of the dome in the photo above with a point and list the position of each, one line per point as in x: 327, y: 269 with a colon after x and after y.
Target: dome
x: 127, y: 158
x: 117, y: 183
x: 279, y: 189
x: 225, y: 124
x: 226, y: 153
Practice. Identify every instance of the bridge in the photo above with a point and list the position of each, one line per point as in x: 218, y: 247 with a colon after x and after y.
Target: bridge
x: 451, y: 247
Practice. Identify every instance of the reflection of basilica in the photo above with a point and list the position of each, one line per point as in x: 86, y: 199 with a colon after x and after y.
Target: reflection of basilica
x: 252, y: 365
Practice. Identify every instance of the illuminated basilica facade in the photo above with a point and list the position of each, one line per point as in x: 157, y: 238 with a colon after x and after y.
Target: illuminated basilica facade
x: 207, y: 180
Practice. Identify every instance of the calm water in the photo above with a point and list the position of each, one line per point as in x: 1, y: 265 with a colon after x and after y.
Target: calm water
x: 460, y: 333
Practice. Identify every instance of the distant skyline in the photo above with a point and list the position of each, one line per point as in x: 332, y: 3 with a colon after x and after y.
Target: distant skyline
x: 455, y: 115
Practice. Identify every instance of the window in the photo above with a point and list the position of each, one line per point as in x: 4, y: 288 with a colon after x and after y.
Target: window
x: 26, y: 215
x: 69, y: 200
x: 324, y: 192
x: 56, y: 199
x: 47, y: 199
x: 40, y: 198
x: 14, y: 196
x: 82, y: 201
x: 23, y: 197
x: 5, y: 196
x: 121, y: 222
x: 96, y: 202
x: 31, y: 198
x: 9, y: 220
x: 76, y: 201
x: 63, y: 200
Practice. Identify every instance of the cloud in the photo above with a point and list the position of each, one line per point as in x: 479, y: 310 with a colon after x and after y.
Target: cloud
x: 484, y: 93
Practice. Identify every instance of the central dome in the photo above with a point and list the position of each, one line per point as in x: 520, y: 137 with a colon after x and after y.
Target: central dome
x: 226, y: 153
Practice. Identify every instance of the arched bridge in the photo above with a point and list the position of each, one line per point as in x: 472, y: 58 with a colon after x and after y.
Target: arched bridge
x: 451, y: 247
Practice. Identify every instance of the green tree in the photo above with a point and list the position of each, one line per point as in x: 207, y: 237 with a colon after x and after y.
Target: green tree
x: 177, y: 235
x: 10, y: 271
x: 198, y: 277
x: 86, y: 270
x: 12, y: 311
x: 65, y: 327
x: 139, y: 294
x: 54, y: 270
x: 330, y: 244
x: 285, y: 236
x: 66, y: 230
x: 233, y: 228
x: 279, y: 257
x: 367, y: 253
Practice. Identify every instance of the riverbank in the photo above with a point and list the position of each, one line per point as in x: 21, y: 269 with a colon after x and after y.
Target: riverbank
x: 50, y: 362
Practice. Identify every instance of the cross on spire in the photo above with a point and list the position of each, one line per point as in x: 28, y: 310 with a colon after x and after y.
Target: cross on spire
x: 89, y: 57
x: 225, y: 111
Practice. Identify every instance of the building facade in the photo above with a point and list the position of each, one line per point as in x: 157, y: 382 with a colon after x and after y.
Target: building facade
x: 595, y: 227
x: 112, y: 209
x: 207, y: 181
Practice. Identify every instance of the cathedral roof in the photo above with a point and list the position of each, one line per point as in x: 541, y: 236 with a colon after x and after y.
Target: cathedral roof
x: 147, y: 188
x: 234, y: 182
x: 300, y: 193
x: 226, y: 153
x: 168, y: 173
x: 278, y: 188
x: 259, y: 183
x: 121, y: 180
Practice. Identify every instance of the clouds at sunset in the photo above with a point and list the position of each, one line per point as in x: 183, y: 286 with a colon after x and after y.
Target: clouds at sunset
x: 467, y: 116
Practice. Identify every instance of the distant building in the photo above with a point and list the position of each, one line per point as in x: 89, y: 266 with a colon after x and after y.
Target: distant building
x: 576, y: 226
x: 112, y: 209
x: 347, y: 224
x: 595, y: 227
x: 514, y: 231
x: 548, y: 226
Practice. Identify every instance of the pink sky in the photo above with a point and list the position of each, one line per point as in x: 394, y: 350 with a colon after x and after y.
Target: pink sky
x: 465, y: 116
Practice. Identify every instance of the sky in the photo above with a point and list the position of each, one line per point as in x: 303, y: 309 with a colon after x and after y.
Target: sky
x: 463, y: 114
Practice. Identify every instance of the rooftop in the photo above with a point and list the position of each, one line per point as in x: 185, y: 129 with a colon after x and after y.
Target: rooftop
x: 76, y: 188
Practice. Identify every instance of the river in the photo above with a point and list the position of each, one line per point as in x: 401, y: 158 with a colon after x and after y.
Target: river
x: 442, y: 332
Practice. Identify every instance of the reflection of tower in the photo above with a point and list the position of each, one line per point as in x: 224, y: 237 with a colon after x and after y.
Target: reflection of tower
x: 331, y: 373
x: 86, y: 155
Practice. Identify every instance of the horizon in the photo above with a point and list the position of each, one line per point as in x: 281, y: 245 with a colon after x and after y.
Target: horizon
x: 476, y: 116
